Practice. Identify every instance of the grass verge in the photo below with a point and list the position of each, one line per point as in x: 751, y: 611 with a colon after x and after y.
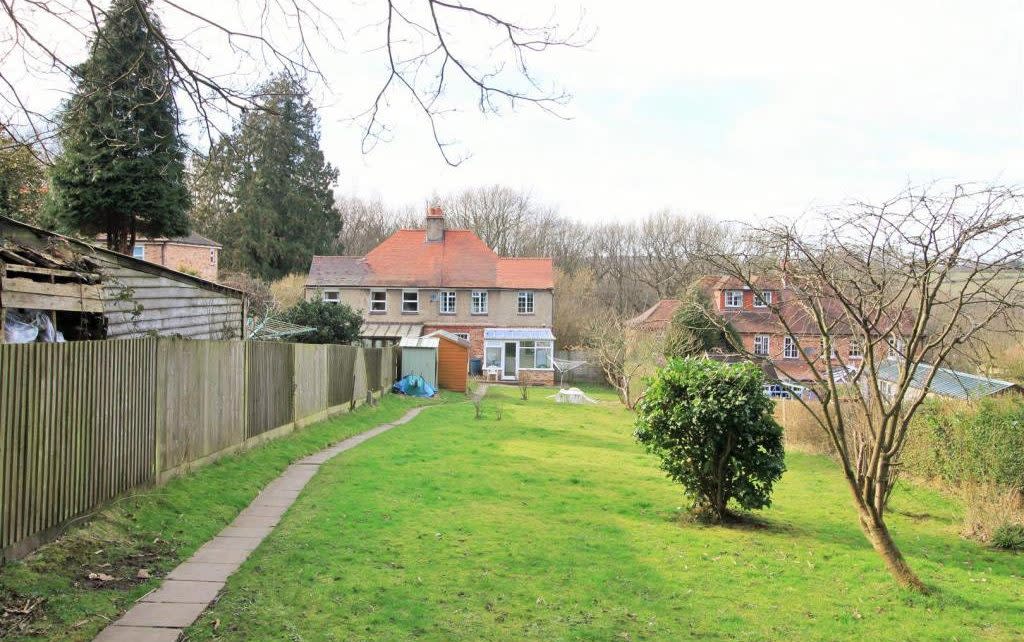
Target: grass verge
x: 50, y: 595
x: 552, y: 524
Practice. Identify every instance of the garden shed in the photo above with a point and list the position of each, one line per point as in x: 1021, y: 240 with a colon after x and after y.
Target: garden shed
x: 419, y: 357
x: 452, y: 360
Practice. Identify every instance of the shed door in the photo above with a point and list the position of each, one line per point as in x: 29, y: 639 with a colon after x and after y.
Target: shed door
x: 422, y: 362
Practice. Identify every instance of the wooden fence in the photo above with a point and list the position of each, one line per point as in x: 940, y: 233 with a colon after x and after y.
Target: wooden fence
x: 83, y: 422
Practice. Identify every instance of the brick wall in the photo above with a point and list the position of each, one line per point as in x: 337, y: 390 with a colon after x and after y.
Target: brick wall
x: 193, y: 259
x: 537, y: 377
x: 476, y: 336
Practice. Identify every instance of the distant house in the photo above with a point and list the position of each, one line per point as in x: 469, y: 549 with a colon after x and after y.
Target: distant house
x: 193, y: 254
x: 421, y: 280
x: 90, y: 292
x: 947, y: 383
x: 656, y: 318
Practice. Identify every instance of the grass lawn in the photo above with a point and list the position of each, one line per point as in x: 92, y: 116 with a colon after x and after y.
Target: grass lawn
x: 552, y: 524
x: 153, y: 529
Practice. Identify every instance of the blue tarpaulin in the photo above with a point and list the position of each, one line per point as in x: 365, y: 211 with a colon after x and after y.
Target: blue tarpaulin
x: 414, y: 386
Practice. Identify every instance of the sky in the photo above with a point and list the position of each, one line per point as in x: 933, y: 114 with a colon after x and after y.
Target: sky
x: 732, y: 110
x: 738, y: 111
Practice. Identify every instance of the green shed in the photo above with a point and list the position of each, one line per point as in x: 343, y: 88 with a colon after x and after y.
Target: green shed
x: 419, y: 357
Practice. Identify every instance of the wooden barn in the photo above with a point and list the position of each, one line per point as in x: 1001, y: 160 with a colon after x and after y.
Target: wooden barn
x: 90, y: 292
x: 452, y: 360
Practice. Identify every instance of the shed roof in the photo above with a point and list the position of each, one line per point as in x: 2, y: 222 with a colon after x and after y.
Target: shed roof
x: 519, y: 334
x: 444, y: 334
x: 948, y: 383
x: 269, y: 329
x: 419, y: 342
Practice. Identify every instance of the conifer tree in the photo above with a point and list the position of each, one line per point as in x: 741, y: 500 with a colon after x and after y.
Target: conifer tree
x: 121, y: 171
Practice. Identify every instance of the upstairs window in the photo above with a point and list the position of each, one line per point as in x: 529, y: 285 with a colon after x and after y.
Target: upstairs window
x: 479, y: 302
x: 448, y: 301
x: 896, y: 347
x: 411, y: 301
x: 763, y: 300
x: 525, y: 302
x: 734, y: 298
x: 139, y: 251
x: 789, y: 348
x: 332, y: 296
x: 378, y: 301
x: 856, y: 349
x: 762, y: 345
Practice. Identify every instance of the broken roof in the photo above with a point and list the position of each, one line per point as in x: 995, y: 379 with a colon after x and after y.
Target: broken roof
x: 407, y: 259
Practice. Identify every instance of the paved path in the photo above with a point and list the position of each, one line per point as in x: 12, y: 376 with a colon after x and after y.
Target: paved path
x: 161, y: 616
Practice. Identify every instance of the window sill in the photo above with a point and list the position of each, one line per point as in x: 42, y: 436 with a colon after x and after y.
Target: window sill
x: 378, y: 311
x: 447, y: 314
x: 525, y: 314
x: 478, y: 314
x: 410, y: 313
x: 539, y: 369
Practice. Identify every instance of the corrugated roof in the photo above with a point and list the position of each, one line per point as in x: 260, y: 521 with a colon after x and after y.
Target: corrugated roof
x: 419, y: 342
x: 407, y: 259
x: 191, y: 239
x: 390, y: 330
x: 947, y: 383
x: 519, y: 334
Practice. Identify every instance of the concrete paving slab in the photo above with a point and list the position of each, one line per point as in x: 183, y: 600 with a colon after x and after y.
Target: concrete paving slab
x: 233, y: 543
x: 238, y: 531
x: 255, y: 521
x: 262, y: 510
x: 166, y: 614
x: 220, y: 555
x: 203, y: 572
x: 185, y: 592
x: 118, y: 633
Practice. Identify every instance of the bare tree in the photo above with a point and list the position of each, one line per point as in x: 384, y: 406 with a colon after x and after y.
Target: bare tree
x: 910, y: 282
x: 622, y: 353
x: 430, y: 51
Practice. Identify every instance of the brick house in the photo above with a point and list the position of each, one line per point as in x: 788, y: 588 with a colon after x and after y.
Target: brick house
x: 763, y: 334
x: 418, y: 281
x: 193, y: 254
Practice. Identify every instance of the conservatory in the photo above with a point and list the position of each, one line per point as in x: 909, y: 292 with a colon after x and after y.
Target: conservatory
x: 512, y: 354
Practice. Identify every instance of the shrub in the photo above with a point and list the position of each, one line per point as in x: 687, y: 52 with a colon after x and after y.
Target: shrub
x: 1009, y: 537
x: 334, y: 322
x: 711, y: 425
x: 288, y: 290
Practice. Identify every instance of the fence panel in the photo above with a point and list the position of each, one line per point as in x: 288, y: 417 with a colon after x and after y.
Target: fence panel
x: 270, y: 374
x: 201, y: 407
x: 311, y: 379
x: 388, y: 367
x: 341, y: 362
x: 372, y: 357
x: 77, y: 427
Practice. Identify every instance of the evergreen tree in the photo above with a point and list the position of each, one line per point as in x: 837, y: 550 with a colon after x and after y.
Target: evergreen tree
x: 696, y: 330
x: 122, y: 167
x: 280, y: 207
x: 22, y: 182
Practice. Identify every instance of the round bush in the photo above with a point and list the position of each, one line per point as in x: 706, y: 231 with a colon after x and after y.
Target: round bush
x: 711, y: 425
x: 1009, y: 537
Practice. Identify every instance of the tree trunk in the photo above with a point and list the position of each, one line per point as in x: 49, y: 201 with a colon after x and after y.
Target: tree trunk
x: 878, y: 534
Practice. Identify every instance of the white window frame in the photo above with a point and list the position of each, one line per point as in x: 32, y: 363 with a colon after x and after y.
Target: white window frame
x: 374, y: 310
x: 331, y: 296
x: 729, y: 294
x: 534, y: 348
x: 766, y: 339
x: 855, y: 350
x: 405, y: 301
x: 139, y: 251
x: 763, y: 300
x: 525, y: 302
x: 462, y: 335
x: 443, y: 299
x: 897, y: 346
x: 790, y: 350
x: 479, y: 302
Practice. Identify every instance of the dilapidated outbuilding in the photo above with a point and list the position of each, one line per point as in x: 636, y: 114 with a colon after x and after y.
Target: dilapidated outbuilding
x: 89, y: 292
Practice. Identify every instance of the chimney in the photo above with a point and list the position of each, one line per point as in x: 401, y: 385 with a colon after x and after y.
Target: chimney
x: 435, y: 224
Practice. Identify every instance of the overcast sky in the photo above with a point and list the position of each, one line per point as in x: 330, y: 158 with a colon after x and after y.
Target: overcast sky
x: 740, y: 110
x: 736, y: 110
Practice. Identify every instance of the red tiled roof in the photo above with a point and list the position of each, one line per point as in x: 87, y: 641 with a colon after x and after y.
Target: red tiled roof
x: 406, y: 259
x: 656, y: 317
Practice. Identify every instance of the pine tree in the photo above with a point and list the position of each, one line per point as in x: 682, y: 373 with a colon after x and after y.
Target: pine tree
x: 280, y: 210
x: 122, y: 167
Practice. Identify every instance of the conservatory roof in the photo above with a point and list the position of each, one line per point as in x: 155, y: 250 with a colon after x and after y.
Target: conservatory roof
x: 518, y: 334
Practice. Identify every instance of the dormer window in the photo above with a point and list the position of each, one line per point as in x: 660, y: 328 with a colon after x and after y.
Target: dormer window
x: 763, y: 300
x: 734, y: 298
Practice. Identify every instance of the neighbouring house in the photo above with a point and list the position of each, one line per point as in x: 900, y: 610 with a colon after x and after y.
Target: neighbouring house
x: 193, y: 254
x: 656, y: 318
x: 947, y: 383
x: 421, y: 280
x: 755, y: 317
x: 90, y: 292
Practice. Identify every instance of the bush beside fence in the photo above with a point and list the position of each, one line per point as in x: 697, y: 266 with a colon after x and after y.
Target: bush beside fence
x: 83, y: 422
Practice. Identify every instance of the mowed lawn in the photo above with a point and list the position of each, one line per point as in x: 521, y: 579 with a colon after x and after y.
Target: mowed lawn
x: 552, y: 524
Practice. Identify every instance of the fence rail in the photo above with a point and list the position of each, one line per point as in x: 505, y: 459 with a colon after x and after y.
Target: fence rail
x: 83, y: 422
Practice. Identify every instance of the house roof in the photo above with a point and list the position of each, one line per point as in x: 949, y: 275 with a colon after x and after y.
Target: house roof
x: 947, y: 382
x: 407, y: 259
x: 656, y: 317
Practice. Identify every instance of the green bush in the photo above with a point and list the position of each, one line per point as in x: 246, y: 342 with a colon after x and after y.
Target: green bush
x: 1009, y: 537
x: 334, y: 322
x: 711, y: 425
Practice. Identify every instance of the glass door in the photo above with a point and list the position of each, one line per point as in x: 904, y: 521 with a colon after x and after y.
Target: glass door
x: 509, y: 370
